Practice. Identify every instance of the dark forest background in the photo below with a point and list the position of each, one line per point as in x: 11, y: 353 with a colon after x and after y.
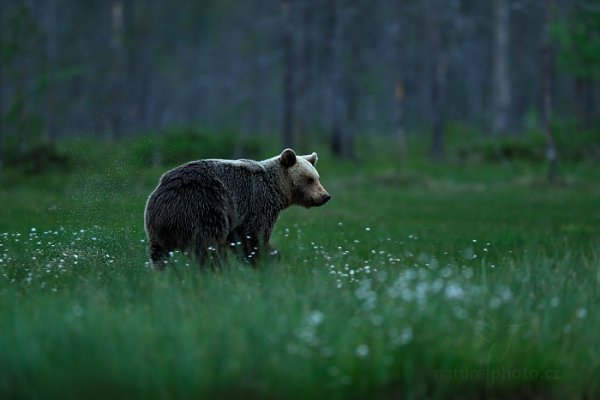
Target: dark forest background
x: 301, y: 70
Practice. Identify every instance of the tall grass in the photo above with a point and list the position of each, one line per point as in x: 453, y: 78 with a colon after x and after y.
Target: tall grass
x: 449, y: 282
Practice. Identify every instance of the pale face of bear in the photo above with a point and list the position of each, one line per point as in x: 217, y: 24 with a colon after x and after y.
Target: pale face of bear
x: 307, y: 190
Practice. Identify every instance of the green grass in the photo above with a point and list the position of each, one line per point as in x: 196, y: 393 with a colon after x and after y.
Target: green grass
x: 444, y: 281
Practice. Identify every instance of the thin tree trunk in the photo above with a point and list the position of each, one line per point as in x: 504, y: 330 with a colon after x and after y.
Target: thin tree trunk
x: 439, y: 78
x: 115, y: 84
x: 304, y: 76
x: 131, y: 105
x: 353, y: 72
x: 400, y: 126
x: 122, y: 21
x: 288, y: 61
x: 399, y: 90
x: 590, y: 102
x: 501, y: 78
x: 1, y: 89
x: 352, y: 117
x: 547, y: 61
x: 584, y: 96
x: 50, y: 69
x: 335, y: 50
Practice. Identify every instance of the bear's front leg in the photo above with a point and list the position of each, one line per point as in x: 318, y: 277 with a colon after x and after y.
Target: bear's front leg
x: 270, y: 253
x: 251, y: 248
x: 249, y: 244
x: 256, y: 249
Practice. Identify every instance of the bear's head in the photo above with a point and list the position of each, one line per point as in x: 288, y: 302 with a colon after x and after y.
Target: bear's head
x: 303, y: 179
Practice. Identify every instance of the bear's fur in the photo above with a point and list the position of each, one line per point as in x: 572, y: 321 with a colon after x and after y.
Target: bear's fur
x: 206, y: 206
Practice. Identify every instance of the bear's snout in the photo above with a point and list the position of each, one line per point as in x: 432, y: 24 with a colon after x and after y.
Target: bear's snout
x: 321, y: 200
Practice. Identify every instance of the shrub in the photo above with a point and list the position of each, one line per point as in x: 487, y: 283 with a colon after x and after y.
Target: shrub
x: 190, y: 143
x: 39, y: 158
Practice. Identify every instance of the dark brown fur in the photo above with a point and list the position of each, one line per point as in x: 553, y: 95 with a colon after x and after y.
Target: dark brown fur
x: 204, y: 206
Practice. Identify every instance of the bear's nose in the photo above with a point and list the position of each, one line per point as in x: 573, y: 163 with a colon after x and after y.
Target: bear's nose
x: 326, y: 197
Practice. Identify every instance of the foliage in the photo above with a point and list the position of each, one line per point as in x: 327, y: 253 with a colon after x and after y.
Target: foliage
x: 37, y: 159
x: 123, y: 67
x: 22, y: 40
x: 185, y: 143
x: 477, y: 284
x: 578, y: 35
x: 573, y: 144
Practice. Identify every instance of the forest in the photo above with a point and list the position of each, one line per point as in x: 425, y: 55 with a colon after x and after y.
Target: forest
x: 338, y: 71
x: 458, y: 257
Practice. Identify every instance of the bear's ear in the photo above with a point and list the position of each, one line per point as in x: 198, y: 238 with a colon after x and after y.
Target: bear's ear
x: 287, y: 158
x: 312, y: 158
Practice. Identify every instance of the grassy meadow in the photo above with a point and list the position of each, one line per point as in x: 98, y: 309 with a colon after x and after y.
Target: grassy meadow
x: 457, y: 280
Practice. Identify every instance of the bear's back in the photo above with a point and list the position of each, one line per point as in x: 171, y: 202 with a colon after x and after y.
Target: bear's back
x: 205, y: 170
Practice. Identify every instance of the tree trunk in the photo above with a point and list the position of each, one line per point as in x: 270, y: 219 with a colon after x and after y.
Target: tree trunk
x: 353, y: 72
x: 288, y: 65
x: 304, y: 76
x: 352, y: 117
x: 400, y: 127
x: 399, y: 89
x: 1, y: 88
x: 547, y: 61
x: 50, y: 68
x: 439, y: 81
x: 336, y: 103
x: 122, y: 78
x: 583, y: 95
x: 501, y: 78
x: 130, y: 98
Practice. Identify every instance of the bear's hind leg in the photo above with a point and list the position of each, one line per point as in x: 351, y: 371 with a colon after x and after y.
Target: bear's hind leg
x: 212, y: 256
x: 201, y: 254
x: 158, y: 255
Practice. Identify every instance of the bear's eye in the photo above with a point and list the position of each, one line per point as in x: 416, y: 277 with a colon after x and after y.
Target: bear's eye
x: 310, y: 180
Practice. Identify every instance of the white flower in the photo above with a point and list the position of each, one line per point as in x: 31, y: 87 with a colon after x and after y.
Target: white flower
x: 316, y: 317
x: 453, y: 291
x: 581, y: 313
x: 362, y: 351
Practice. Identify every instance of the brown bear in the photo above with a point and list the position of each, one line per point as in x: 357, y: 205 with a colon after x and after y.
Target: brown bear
x: 206, y: 206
